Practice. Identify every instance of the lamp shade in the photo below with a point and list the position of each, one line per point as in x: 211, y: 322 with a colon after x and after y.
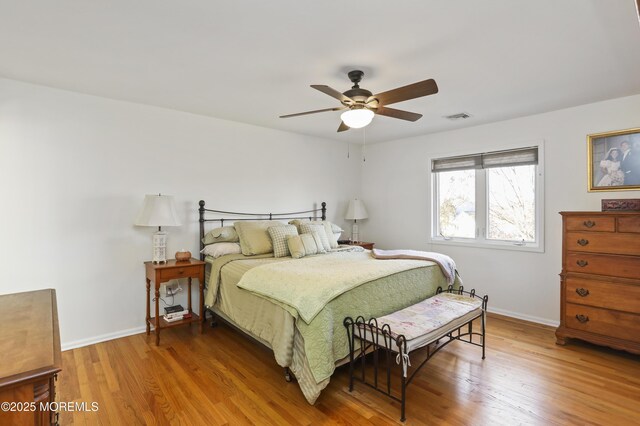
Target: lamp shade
x: 158, y: 210
x: 357, y: 118
x: 356, y: 210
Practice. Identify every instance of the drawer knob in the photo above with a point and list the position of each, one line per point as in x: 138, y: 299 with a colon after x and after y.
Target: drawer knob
x: 582, y: 318
x: 181, y: 271
x: 582, y: 292
x: 583, y: 242
x: 589, y: 223
x: 582, y: 263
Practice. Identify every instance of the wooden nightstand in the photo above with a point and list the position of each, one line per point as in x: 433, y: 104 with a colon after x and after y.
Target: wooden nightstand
x: 162, y: 272
x: 368, y: 246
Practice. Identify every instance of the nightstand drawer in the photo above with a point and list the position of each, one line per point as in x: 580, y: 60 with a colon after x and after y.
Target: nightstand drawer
x: 179, y: 272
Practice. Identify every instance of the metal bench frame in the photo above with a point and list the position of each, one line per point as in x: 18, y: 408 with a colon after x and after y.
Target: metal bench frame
x: 365, y: 336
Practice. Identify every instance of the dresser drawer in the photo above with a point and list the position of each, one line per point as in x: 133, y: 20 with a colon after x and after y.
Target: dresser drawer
x: 603, y: 242
x: 602, y: 321
x: 601, y: 264
x: 601, y: 294
x: 179, y: 272
x: 590, y: 223
x: 629, y: 224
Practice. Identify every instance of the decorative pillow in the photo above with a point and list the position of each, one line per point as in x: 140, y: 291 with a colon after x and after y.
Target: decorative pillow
x: 220, y: 249
x: 226, y: 234
x: 279, y: 236
x: 333, y: 233
x: 337, y: 231
x: 254, y: 237
x: 332, y: 230
x: 318, y: 240
x: 298, y: 222
x: 311, y: 227
x: 305, y: 245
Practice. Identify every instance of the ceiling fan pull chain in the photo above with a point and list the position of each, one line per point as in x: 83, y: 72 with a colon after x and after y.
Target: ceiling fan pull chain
x: 364, y: 145
x: 348, y: 149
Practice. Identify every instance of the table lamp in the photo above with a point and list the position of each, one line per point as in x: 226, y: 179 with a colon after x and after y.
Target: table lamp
x: 355, y: 211
x: 158, y: 210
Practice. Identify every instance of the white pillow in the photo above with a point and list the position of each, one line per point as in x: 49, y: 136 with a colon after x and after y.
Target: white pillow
x: 216, y: 250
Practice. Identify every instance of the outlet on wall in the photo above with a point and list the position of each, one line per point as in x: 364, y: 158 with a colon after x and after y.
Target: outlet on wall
x: 169, y: 288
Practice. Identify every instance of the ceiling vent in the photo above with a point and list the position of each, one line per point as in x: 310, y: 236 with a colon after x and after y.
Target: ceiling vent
x: 459, y: 116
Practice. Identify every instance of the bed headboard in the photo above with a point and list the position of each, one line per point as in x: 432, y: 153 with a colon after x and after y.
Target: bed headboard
x: 222, y: 216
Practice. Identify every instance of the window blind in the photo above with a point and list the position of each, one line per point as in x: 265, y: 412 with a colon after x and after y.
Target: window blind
x: 487, y: 160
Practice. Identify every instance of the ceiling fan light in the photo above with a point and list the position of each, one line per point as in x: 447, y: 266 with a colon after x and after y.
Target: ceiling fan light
x: 357, y: 118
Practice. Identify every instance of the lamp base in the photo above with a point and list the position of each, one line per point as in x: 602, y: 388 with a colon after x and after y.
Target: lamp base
x: 354, y: 233
x: 159, y: 247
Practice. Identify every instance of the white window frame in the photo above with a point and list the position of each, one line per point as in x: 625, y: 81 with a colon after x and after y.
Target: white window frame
x: 482, y: 202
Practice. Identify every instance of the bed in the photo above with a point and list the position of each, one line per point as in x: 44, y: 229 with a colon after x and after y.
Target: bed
x: 296, y: 307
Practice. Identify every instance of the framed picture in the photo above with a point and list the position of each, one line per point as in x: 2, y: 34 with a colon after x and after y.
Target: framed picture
x: 614, y: 160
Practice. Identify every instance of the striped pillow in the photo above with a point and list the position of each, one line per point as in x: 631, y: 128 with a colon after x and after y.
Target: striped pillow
x: 305, y: 245
x: 279, y: 236
x: 332, y: 230
x: 309, y: 228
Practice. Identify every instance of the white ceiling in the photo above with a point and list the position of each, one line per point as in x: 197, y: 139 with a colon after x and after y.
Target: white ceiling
x: 251, y: 61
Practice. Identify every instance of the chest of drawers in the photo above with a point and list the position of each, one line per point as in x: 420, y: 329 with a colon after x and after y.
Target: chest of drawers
x: 600, y: 279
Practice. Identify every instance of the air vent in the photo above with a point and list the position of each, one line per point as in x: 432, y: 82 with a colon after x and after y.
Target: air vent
x: 459, y: 116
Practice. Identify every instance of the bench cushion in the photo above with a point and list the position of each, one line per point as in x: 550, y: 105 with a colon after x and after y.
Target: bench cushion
x: 431, y: 319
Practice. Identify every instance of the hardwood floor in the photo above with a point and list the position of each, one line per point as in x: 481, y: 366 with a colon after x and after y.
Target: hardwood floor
x: 221, y: 377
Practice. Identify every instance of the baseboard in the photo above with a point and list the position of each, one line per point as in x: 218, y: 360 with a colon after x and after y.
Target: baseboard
x: 530, y: 318
x: 124, y: 333
x: 102, y: 338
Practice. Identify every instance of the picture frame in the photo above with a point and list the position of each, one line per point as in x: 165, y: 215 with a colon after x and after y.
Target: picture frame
x: 614, y: 160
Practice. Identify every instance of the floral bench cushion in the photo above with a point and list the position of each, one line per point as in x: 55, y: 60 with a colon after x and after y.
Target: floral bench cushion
x: 432, y: 318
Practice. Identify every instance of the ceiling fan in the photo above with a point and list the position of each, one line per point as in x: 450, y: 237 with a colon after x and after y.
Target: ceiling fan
x: 361, y: 105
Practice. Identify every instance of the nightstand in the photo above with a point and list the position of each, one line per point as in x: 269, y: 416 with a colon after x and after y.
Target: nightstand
x: 171, y: 270
x: 368, y: 246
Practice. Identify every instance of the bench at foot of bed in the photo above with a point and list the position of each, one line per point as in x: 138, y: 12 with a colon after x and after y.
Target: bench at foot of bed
x: 432, y: 324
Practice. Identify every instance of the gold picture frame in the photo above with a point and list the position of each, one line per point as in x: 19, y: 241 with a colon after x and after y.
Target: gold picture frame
x: 614, y: 160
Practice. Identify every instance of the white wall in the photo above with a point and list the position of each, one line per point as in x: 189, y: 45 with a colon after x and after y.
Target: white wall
x: 73, y: 173
x: 74, y: 170
x: 396, y: 190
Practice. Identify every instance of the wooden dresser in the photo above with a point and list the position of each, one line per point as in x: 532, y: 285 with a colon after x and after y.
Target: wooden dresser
x: 600, y: 279
x: 31, y: 358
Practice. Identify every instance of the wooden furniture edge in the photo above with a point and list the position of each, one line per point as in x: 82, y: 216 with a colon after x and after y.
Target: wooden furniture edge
x: 56, y: 366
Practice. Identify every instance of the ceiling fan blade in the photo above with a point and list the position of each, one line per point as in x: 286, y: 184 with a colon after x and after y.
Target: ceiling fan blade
x: 313, y: 112
x: 398, y: 113
x: 412, y: 91
x: 333, y: 93
x: 343, y: 127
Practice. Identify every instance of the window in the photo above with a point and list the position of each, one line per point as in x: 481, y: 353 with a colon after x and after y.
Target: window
x: 489, y: 199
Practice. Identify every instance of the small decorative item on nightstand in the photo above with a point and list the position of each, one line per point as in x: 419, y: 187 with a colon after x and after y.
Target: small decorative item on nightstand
x: 183, y: 255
